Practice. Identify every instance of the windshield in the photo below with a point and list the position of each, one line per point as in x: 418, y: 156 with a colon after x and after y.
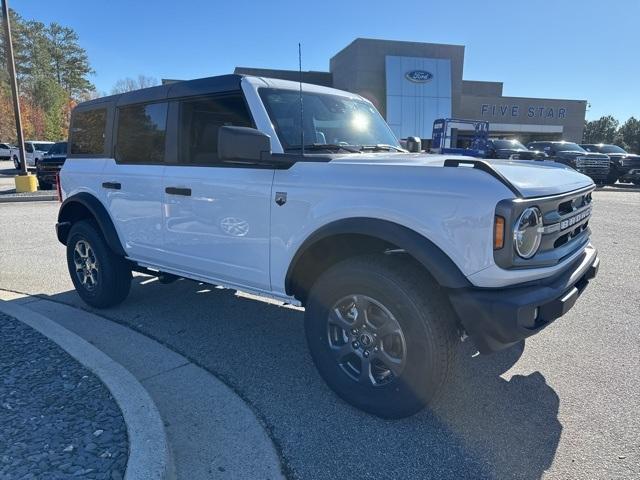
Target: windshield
x: 43, y: 147
x: 508, y: 144
x: 569, y: 147
x: 328, y: 120
x: 607, y: 149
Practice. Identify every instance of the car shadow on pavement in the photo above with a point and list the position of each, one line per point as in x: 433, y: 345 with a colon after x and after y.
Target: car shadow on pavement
x: 484, y: 426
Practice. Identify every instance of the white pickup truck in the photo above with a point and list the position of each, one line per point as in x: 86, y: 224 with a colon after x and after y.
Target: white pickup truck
x: 34, y: 150
x: 302, y: 193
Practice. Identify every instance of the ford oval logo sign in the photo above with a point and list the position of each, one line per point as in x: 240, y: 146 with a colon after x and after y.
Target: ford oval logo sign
x: 419, y: 76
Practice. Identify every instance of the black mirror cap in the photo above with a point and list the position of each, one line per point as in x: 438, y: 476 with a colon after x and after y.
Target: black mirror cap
x: 242, y: 143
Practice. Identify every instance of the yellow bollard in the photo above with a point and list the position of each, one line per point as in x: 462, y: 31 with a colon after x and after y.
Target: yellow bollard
x: 26, y: 183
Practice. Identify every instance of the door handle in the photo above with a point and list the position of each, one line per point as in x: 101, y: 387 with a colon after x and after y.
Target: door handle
x: 112, y: 185
x: 178, y: 191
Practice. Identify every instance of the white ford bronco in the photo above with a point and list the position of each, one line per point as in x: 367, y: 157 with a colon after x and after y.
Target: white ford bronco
x: 302, y: 193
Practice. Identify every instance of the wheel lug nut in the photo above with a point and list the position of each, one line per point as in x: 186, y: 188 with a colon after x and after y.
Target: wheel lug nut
x: 356, y: 345
x: 354, y: 331
x: 365, y: 353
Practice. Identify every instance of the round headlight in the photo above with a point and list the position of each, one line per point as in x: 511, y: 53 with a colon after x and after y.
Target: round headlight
x: 527, y: 232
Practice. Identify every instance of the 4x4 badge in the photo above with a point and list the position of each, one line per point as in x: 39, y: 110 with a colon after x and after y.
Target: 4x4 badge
x: 281, y: 198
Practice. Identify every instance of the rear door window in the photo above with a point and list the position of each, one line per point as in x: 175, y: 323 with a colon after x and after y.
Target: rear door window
x: 87, y: 132
x: 141, y: 133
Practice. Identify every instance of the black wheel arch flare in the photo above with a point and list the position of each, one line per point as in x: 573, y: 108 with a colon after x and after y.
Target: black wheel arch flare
x: 84, y: 205
x: 423, y: 250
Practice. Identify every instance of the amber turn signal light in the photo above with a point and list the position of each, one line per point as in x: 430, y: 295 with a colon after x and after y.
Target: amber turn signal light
x: 498, y: 233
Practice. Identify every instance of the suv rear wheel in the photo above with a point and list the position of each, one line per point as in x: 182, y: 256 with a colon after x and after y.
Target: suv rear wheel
x: 101, y: 278
x: 381, y: 334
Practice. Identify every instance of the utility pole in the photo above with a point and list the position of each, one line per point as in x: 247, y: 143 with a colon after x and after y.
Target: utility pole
x: 14, y: 86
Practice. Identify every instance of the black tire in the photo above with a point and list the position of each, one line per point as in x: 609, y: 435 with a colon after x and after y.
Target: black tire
x: 16, y: 162
x: 45, y: 185
x: 428, y: 327
x: 112, y: 273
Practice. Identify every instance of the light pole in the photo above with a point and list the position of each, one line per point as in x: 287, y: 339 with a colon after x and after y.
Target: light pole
x: 23, y: 182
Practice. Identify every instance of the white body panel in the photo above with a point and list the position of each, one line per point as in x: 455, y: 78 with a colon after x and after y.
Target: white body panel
x: 136, y: 208
x: 221, y: 231
x: 454, y: 220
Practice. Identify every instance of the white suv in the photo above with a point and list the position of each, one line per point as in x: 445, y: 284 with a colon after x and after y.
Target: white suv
x: 34, y: 150
x: 303, y: 194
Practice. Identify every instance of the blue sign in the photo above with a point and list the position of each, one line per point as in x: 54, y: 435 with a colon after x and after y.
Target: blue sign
x: 419, y: 76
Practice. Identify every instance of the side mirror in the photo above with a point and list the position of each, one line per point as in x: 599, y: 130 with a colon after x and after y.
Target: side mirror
x: 242, y: 144
x: 414, y: 144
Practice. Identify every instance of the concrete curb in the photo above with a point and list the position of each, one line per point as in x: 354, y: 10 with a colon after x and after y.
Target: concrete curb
x: 32, y: 198
x: 149, y: 453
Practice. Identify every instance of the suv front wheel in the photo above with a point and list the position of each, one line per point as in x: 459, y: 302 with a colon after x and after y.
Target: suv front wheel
x: 101, y: 278
x: 381, y: 334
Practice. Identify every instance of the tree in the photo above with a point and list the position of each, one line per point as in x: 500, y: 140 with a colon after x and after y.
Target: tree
x: 603, y: 130
x: 630, y: 134
x: 129, y: 84
x: 69, y: 62
x: 53, y: 74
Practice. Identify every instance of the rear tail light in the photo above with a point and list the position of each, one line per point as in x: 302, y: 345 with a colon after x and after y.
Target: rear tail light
x: 58, y: 189
x: 498, y: 232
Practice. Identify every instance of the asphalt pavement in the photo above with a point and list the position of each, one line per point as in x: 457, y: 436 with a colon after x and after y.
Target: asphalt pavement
x: 564, y: 407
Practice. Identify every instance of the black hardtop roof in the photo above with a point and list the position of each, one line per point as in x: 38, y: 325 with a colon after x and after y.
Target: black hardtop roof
x: 186, y: 88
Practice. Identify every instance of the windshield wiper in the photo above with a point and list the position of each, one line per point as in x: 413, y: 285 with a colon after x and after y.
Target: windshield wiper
x: 325, y: 146
x: 382, y: 147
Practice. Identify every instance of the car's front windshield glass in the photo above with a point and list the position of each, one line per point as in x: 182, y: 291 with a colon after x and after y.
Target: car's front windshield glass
x: 500, y: 144
x: 43, y: 147
x: 609, y: 149
x: 329, y: 120
x: 569, y: 147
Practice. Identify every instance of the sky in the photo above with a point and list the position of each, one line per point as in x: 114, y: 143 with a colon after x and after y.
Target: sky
x: 569, y: 49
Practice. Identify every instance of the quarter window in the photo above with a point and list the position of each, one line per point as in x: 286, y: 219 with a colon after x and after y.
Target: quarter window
x: 87, y: 133
x: 141, y: 133
x: 200, y: 120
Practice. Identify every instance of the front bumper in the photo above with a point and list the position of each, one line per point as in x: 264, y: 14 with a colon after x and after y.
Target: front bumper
x: 498, y: 318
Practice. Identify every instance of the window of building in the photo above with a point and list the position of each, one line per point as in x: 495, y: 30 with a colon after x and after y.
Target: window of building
x: 200, y: 120
x: 141, y: 133
x: 88, y: 132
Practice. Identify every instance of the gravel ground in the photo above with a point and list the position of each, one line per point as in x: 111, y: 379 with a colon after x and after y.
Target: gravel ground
x: 565, y: 407
x: 57, y: 420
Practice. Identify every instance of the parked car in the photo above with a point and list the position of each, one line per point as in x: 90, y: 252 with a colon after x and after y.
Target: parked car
x: 50, y: 165
x: 511, y: 149
x: 395, y: 256
x: 624, y: 166
x: 595, y: 165
x: 34, y: 151
x: 5, y: 151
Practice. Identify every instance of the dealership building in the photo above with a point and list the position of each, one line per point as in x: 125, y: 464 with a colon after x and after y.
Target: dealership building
x: 413, y: 84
